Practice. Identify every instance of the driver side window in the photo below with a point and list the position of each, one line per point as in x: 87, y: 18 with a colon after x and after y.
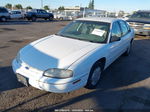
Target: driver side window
x: 116, y: 32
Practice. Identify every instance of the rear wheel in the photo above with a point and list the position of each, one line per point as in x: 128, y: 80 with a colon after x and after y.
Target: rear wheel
x: 34, y: 18
x: 3, y: 19
x: 28, y: 19
x: 51, y: 18
x: 94, y: 77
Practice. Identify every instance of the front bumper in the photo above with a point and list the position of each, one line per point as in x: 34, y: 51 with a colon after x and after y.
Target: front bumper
x: 37, y: 80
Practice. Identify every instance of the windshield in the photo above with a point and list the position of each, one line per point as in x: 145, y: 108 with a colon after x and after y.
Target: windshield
x: 87, y: 31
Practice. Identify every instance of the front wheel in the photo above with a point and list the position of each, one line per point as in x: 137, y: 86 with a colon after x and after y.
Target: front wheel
x: 94, y: 76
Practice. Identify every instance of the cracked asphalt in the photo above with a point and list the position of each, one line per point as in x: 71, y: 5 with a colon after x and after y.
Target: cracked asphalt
x: 124, y: 87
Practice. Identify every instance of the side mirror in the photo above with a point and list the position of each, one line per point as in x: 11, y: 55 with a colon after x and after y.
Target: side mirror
x: 115, y: 38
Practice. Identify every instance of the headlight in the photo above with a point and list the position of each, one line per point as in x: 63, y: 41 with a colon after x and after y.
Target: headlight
x: 58, y: 73
x: 146, y: 26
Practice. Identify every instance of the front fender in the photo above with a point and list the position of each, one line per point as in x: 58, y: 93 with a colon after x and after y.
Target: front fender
x: 83, y: 65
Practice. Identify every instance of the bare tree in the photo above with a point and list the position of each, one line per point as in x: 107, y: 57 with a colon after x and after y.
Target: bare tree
x: 8, y: 6
x: 18, y: 6
x: 46, y: 7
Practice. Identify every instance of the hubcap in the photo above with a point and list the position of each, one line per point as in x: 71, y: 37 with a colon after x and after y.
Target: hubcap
x: 34, y: 18
x: 96, y: 76
x: 50, y: 18
x: 3, y: 19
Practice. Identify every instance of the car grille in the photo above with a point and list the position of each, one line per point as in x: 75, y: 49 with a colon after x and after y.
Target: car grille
x: 28, y: 67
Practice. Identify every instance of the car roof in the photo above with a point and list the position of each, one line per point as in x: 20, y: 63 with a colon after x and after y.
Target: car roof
x: 37, y: 9
x: 99, y: 19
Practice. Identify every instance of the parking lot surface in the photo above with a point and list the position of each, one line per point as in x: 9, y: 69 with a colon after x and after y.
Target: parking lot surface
x: 124, y: 87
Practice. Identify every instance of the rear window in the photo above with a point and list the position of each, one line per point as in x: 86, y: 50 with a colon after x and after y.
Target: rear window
x: 3, y: 10
x: 16, y: 12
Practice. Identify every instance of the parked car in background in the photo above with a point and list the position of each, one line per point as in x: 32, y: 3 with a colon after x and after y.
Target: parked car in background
x: 15, y: 14
x: 140, y: 21
x: 63, y: 17
x: 4, y: 14
x: 74, y: 57
x: 39, y: 13
x: 126, y: 17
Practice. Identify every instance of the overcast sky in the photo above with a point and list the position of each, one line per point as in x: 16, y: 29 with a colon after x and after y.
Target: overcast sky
x: 110, y: 5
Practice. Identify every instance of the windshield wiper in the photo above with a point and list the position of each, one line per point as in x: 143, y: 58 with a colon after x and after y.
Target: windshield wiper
x: 64, y: 36
x: 77, y: 38
x: 60, y: 35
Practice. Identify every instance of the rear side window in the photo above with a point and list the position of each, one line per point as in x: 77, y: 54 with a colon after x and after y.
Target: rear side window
x: 18, y: 12
x: 141, y: 15
x: 116, y: 32
x: 124, y: 27
x: 42, y: 11
x: 128, y: 27
x: 3, y: 10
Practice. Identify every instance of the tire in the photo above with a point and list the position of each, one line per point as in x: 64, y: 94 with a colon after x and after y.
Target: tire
x: 33, y: 18
x: 28, y: 19
x: 51, y: 18
x: 61, y: 19
x: 3, y: 19
x: 127, y: 52
x: 94, y: 76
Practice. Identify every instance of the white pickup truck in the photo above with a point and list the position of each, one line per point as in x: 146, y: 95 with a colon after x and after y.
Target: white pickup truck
x: 4, y: 14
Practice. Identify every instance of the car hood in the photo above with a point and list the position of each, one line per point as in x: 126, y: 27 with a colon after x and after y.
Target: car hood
x: 55, y: 52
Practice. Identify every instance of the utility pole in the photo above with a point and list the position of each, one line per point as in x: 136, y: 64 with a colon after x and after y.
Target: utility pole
x: 42, y: 4
x: 84, y: 12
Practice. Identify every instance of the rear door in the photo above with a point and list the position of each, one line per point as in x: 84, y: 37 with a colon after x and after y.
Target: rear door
x: 126, y: 35
x: 16, y: 15
x: 43, y: 14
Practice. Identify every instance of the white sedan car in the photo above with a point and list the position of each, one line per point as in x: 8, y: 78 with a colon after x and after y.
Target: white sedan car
x: 74, y: 57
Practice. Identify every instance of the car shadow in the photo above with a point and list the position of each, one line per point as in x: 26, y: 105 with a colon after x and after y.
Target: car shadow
x: 25, y: 22
x: 15, y: 22
x: 8, y: 79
